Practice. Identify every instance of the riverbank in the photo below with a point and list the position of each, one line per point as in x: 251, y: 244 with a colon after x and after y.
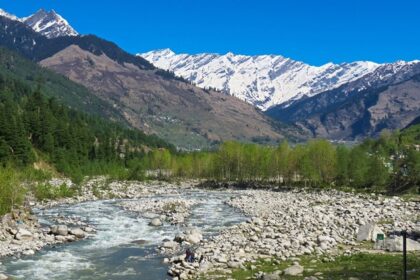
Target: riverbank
x: 285, y: 225
x: 125, y: 241
x: 290, y: 224
x: 22, y: 234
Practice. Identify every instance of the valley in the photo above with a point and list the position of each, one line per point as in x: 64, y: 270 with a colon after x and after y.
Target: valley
x: 121, y: 158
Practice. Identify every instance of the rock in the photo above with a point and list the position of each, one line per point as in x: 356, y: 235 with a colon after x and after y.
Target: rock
x: 156, y: 222
x: 23, y: 234
x: 140, y: 242
x: 272, y: 276
x: 416, y: 230
x: 396, y: 244
x: 234, y: 264
x: 79, y: 233
x: 192, y: 236
x: 88, y: 229
x: 59, y: 230
x: 179, y: 238
x: 294, y: 270
x: 28, y: 252
x: 221, y: 259
x: 170, y: 245
x: 3, y: 277
x: 60, y: 238
x: 368, y: 232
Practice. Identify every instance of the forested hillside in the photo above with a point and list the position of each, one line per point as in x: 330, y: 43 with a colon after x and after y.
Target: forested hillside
x: 33, y: 127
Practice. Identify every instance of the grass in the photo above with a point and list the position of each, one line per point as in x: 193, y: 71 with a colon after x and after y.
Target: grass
x: 362, y: 266
x: 47, y: 192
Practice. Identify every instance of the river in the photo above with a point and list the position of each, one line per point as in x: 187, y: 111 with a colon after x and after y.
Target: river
x: 112, y: 252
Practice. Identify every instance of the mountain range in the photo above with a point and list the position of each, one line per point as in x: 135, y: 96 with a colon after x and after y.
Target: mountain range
x: 148, y: 98
x: 261, y: 80
x: 346, y: 101
x: 193, y: 100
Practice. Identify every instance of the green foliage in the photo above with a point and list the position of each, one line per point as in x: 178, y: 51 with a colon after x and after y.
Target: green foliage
x: 48, y: 192
x: 388, y: 164
x: 68, y: 139
x: 11, y: 191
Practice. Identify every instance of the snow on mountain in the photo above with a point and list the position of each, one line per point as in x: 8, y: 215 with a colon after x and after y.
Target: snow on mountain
x: 3, y: 13
x: 262, y: 80
x: 50, y: 24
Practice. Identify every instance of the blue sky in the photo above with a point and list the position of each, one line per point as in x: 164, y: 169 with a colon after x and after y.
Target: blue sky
x: 314, y: 31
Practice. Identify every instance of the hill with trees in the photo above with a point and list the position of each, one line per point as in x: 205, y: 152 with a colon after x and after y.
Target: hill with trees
x: 33, y: 126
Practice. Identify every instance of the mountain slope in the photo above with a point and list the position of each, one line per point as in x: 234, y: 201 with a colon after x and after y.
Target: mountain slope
x: 14, y: 66
x: 173, y: 109
x: 264, y: 80
x: 33, y: 128
x: 147, y: 98
x: 388, y: 98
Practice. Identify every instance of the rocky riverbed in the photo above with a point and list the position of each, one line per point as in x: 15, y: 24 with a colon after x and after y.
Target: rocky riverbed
x: 286, y: 225
x: 172, y: 210
x: 21, y: 232
x: 282, y: 225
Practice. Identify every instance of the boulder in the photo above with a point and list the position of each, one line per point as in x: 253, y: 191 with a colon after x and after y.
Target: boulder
x: 156, y: 222
x: 79, y: 233
x: 3, y: 277
x: 23, y: 234
x: 172, y: 245
x: 416, y: 230
x: 88, y: 229
x: 294, y: 270
x: 272, y: 276
x: 368, y: 232
x: 28, y: 252
x: 59, y: 230
x: 221, y: 259
x: 396, y: 244
x: 192, y: 236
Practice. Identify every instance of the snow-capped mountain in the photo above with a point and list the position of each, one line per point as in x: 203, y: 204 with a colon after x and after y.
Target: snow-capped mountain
x: 50, y: 24
x: 262, y: 80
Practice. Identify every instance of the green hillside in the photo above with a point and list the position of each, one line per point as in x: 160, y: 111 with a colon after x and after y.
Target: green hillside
x: 35, y: 125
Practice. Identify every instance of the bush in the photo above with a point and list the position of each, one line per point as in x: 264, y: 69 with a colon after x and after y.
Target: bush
x: 12, y: 193
x: 46, y: 191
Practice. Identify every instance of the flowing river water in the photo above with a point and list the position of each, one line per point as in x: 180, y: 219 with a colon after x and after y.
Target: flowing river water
x: 112, y: 252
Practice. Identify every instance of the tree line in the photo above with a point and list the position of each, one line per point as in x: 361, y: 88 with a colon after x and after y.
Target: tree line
x: 390, y: 163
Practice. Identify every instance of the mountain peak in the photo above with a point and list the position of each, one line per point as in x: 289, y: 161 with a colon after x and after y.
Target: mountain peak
x: 49, y: 24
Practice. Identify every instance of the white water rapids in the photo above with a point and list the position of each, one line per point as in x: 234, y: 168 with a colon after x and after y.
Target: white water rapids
x: 111, y: 253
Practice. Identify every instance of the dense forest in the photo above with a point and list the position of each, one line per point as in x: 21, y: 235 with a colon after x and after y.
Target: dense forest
x: 33, y: 127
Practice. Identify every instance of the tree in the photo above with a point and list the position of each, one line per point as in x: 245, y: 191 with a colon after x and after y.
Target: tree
x: 342, y: 168
x: 358, y: 167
